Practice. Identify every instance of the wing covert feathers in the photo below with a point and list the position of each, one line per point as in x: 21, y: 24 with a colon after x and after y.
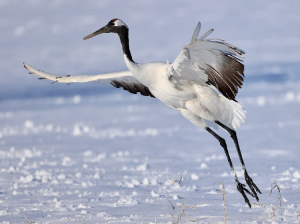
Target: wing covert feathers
x: 123, y: 79
x: 210, y: 60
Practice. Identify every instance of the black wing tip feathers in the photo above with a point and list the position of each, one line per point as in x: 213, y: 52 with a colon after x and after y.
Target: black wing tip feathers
x: 227, y: 77
x: 133, y: 88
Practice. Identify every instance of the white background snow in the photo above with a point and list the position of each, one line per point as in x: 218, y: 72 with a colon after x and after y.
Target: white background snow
x: 92, y: 152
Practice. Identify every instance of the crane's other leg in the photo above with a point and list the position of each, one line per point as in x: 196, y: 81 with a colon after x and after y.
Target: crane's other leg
x: 241, y: 187
x: 249, y: 181
x: 198, y: 121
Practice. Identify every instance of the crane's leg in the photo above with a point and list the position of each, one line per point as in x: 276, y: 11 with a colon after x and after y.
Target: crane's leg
x: 241, y: 187
x: 198, y: 121
x: 249, y: 181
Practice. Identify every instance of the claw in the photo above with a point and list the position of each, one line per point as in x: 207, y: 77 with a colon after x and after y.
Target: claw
x: 252, y: 186
x: 242, y: 189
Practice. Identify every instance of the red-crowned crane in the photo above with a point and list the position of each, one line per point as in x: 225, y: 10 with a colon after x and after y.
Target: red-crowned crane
x: 190, y: 85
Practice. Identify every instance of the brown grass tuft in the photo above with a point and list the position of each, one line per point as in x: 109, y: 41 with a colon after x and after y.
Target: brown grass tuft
x: 182, y: 212
x: 262, y: 206
x: 172, y: 181
x: 275, y: 185
x: 224, y: 202
x: 29, y: 222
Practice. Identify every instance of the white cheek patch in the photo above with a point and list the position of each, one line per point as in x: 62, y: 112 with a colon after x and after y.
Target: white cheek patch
x: 119, y: 22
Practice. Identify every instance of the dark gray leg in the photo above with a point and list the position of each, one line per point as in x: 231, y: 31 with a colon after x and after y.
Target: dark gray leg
x: 241, y: 187
x: 249, y: 181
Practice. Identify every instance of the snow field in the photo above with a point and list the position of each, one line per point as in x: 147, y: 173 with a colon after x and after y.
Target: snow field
x: 109, y: 159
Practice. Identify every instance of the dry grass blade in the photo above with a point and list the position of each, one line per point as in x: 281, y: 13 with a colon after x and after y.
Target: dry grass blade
x: 182, y: 213
x: 172, y: 214
x: 276, y: 186
x: 172, y: 181
x: 224, y: 202
x: 253, y: 216
x: 29, y: 222
x: 261, y: 206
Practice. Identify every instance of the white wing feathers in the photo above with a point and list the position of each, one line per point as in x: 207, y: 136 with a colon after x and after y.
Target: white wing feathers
x: 183, y: 68
x: 123, y: 79
x: 105, y: 78
x: 196, y: 32
x: 206, y: 34
x: 212, y: 61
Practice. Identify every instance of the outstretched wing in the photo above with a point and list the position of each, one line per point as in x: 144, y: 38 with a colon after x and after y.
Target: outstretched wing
x: 210, y: 61
x: 123, y: 79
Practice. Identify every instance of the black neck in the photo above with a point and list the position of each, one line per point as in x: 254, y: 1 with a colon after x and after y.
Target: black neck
x: 125, y: 43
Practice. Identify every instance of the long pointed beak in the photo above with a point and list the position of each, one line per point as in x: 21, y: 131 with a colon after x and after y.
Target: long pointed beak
x: 102, y: 30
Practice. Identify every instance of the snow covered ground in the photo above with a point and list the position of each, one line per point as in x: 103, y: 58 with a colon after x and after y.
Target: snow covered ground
x: 95, y: 154
x: 106, y: 158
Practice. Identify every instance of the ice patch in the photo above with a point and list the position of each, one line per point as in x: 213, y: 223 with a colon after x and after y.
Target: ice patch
x: 286, y: 173
x: 78, y: 175
x: 211, y: 192
x: 154, y: 181
x: 154, y: 194
x: 176, y: 197
x: 26, y: 179
x: 214, y: 157
x: 90, y: 157
x: 296, y: 174
x: 203, y: 166
x: 142, y: 167
x: 88, y: 153
x: 76, y: 99
x: 28, y: 124
x: 129, y: 201
x: 145, y: 181
x: 135, y: 182
x: 202, y: 205
x: 105, y: 215
x: 194, y: 176
x: 290, y: 96
x: 274, y: 153
x: 61, y: 176
x: 29, y: 178
x: 96, y: 176
x: 261, y: 101
x: 283, y: 179
x: 66, y: 161
x: 76, y: 130
x: 81, y: 206
x: 3, y: 212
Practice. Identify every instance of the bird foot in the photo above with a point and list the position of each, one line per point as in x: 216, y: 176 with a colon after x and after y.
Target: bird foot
x: 242, y: 189
x: 252, y: 186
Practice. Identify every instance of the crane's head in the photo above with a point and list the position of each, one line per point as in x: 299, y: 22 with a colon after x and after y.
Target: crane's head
x: 114, y: 26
